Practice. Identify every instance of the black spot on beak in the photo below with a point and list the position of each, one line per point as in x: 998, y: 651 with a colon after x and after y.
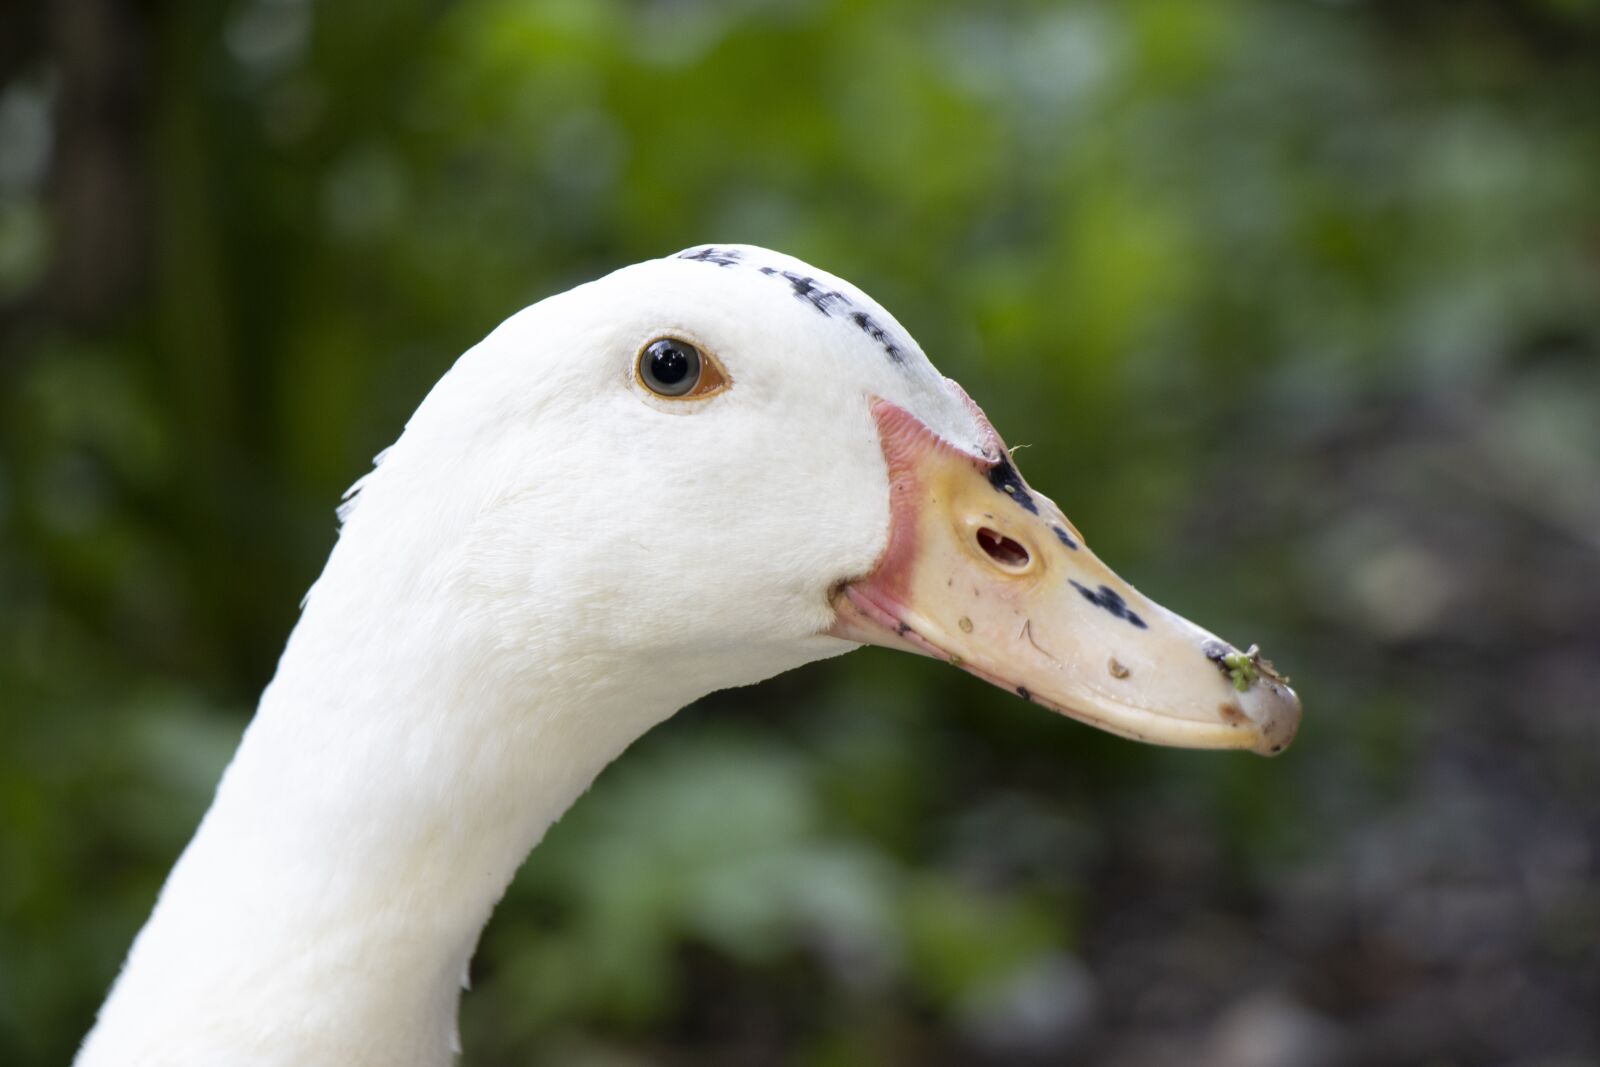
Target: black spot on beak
x: 1110, y: 600
x: 1004, y: 477
x: 1065, y: 538
x: 1022, y: 691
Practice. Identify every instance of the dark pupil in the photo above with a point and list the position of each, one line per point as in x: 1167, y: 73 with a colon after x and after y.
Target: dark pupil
x: 670, y: 364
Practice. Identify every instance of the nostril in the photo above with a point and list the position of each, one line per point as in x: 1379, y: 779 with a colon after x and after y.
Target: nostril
x: 1002, y: 549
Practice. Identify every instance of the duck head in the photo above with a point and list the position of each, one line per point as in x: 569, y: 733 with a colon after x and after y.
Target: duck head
x: 734, y: 462
x: 693, y: 473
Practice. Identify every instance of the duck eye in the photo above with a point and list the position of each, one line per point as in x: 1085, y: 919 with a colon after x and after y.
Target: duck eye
x: 670, y: 367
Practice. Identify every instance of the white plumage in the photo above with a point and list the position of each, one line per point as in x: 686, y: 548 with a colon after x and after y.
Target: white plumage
x: 549, y: 561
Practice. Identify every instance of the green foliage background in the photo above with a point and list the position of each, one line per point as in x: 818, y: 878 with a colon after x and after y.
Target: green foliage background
x: 1296, y: 306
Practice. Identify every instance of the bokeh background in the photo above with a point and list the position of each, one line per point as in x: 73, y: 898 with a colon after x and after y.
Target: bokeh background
x: 1295, y: 304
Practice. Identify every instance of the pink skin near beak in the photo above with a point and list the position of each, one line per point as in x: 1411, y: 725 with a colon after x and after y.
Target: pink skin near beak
x: 989, y: 575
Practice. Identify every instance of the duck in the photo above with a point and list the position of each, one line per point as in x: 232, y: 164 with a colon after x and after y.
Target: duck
x: 693, y: 473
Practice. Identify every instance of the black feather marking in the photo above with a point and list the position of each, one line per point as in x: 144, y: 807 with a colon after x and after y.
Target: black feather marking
x: 722, y: 257
x: 810, y: 290
x: 869, y: 326
x: 820, y: 297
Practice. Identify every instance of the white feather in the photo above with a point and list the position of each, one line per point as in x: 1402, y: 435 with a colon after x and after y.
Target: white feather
x: 549, y: 561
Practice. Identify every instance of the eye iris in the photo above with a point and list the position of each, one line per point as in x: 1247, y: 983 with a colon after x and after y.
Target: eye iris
x: 670, y: 367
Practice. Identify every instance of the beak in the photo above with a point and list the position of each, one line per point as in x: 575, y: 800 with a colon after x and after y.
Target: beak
x: 989, y: 575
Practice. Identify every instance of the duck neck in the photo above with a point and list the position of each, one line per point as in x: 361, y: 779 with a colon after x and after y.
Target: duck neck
x: 393, y: 779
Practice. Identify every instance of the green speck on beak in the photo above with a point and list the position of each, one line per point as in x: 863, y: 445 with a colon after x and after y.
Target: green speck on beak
x: 1241, y: 667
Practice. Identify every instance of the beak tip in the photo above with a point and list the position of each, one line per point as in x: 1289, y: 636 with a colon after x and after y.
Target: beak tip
x: 1275, y: 710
